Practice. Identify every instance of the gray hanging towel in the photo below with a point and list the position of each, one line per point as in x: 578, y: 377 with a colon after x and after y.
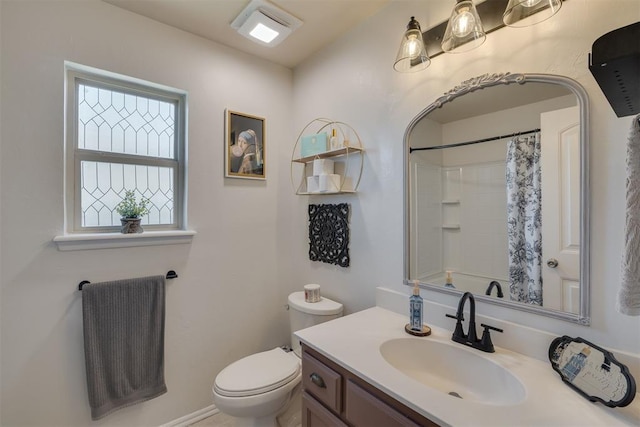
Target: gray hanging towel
x: 629, y: 294
x: 123, y: 325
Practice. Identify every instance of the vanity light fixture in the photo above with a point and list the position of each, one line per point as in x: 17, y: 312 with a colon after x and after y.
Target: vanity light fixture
x: 523, y: 13
x: 412, y: 55
x: 469, y: 24
x: 265, y: 23
x: 464, y: 30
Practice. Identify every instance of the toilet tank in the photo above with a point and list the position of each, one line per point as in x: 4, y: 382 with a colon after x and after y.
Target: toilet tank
x: 304, y: 314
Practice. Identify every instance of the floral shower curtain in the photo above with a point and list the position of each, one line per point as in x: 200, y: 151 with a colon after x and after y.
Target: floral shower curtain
x: 524, y: 219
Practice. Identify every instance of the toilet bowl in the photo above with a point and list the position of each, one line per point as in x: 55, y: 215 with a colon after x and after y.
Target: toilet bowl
x: 259, y: 387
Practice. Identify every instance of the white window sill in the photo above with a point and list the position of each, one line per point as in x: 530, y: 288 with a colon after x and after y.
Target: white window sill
x: 80, y: 242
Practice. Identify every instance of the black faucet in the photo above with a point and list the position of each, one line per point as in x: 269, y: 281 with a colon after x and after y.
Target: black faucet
x: 496, y: 285
x: 471, y: 339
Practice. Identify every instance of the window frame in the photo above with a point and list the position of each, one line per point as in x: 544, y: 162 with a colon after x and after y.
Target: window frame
x: 77, y: 75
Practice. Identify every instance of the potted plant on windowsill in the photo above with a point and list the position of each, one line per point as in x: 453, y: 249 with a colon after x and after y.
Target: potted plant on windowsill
x: 131, y: 212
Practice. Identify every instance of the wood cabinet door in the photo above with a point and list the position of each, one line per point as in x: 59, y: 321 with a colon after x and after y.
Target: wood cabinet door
x: 316, y: 415
x: 364, y: 409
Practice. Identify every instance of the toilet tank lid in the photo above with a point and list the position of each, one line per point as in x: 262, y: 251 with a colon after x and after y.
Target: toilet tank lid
x: 324, y: 307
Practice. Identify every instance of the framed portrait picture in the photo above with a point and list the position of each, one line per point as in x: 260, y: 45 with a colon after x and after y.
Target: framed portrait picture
x: 244, y: 146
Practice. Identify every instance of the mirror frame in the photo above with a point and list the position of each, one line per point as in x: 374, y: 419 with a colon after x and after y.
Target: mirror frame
x: 482, y: 82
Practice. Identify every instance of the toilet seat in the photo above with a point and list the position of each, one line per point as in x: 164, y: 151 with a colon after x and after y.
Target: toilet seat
x: 257, y: 374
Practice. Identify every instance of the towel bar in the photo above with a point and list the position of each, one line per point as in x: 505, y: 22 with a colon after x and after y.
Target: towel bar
x: 171, y: 274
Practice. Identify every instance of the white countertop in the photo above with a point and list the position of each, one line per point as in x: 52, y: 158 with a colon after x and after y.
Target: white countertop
x: 353, y: 342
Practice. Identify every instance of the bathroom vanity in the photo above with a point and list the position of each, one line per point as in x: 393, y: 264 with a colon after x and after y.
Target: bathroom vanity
x: 364, y: 370
x: 334, y: 396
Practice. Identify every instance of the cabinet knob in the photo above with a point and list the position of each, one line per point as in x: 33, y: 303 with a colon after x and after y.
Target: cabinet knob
x: 317, y: 380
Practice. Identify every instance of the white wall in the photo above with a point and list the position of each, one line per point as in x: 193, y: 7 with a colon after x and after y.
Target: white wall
x: 1, y: 85
x: 223, y: 307
x: 502, y: 122
x: 353, y: 81
x: 227, y: 301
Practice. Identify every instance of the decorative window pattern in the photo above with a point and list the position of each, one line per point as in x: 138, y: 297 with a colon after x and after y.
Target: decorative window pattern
x: 125, y: 136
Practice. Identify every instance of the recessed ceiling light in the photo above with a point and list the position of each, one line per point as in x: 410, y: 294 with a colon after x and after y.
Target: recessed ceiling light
x: 264, y: 33
x: 262, y: 29
x: 264, y: 23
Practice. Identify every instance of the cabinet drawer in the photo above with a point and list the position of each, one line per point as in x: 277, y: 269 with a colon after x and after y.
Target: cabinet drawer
x: 364, y: 409
x: 322, y: 382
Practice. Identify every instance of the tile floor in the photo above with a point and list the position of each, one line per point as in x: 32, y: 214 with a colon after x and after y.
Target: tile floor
x: 218, y: 420
x: 292, y: 417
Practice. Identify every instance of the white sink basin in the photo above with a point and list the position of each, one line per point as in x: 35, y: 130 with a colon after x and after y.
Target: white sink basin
x: 455, y: 370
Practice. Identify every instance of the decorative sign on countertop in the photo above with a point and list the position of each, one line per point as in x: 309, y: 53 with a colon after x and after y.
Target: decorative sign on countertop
x: 592, y: 371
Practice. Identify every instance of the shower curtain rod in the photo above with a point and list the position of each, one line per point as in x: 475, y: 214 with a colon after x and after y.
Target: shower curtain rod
x: 460, y: 144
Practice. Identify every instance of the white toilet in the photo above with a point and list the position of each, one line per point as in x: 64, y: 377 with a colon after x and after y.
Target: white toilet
x: 257, y: 388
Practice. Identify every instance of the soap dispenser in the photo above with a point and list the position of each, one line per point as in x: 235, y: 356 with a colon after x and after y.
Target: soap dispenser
x: 415, y: 308
x: 448, y: 281
x: 415, y: 326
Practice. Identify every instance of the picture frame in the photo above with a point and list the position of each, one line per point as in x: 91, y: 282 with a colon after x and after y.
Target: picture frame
x: 244, y: 146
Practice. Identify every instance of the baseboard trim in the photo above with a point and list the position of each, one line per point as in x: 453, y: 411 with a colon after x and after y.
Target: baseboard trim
x: 193, y: 417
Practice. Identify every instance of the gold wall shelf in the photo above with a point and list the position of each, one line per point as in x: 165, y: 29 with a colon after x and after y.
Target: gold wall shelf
x: 349, y: 155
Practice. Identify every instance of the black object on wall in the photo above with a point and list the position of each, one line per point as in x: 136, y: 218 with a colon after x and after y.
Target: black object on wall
x: 329, y: 234
x: 615, y: 63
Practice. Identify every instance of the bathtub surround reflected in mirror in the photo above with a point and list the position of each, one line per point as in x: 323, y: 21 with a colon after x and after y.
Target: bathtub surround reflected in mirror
x: 496, y: 194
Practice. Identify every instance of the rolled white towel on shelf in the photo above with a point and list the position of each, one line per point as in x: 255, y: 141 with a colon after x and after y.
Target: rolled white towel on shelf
x: 330, y: 183
x: 629, y: 294
x: 313, y: 184
x: 322, y: 167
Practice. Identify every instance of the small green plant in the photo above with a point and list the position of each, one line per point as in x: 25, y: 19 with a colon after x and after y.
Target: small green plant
x: 128, y: 208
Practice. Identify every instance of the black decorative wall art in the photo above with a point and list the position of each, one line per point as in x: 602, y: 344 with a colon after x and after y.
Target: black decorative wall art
x: 329, y: 234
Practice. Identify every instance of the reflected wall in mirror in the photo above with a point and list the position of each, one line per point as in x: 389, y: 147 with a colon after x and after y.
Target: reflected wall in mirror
x: 496, y: 194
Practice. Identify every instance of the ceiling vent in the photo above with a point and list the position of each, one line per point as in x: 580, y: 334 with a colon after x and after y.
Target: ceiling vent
x: 615, y: 63
x: 265, y: 23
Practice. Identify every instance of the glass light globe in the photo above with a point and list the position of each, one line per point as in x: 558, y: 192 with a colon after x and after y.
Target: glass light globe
x: 413, y: 47
x: 530, y: 3
x: 522, y: 13
x: 463, y: 24
x: 412, y: 55
x: 464, y: 29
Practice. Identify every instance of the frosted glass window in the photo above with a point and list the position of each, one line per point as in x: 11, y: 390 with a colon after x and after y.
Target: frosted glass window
x: 119, y: 122
x: 103, y: 185
x: 125, y: 136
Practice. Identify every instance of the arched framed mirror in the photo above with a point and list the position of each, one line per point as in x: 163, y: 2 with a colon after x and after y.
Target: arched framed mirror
x: 497, y: 194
